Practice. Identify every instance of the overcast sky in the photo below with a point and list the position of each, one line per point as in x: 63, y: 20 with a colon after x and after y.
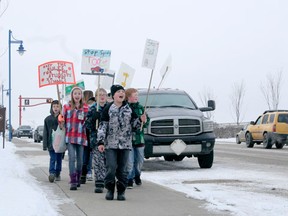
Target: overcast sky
x: 213, y: 44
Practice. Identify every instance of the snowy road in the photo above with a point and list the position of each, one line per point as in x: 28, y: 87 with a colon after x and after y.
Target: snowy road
x: 242, y: 181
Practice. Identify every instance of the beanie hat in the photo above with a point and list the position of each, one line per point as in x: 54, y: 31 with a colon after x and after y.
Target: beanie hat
x: 76, y: 87
x: 115, y: 88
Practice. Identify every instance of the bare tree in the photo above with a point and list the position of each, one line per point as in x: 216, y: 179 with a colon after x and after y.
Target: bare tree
x: 3, y: 7
x: 271, y: 90
x: 237, y: 98
x: 206, y: 95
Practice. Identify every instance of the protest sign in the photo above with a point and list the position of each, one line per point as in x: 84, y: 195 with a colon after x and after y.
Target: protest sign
x: 165, y: 70
x: 69, y: 88
x: 95, y: 61
x: 125, y: 75
x: 150, y: 54
x: 56, y: 72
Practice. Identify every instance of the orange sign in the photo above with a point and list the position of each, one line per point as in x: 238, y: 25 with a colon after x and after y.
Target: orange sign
x: 56, y: 72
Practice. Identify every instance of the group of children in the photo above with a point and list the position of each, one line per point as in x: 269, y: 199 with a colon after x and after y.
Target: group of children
x: 112, y: 131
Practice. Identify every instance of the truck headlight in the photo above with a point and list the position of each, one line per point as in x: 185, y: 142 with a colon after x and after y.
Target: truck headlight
x: 207, y: 125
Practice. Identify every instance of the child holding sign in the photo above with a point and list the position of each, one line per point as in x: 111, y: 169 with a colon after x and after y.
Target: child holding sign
x: 74, y: 114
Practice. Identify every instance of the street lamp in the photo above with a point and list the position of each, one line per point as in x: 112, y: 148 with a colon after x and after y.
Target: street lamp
x: 21, y: 50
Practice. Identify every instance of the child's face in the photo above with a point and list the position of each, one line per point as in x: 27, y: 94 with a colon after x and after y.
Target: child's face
x: 77, y: 95
x: 102, y: 97
x: 119, y: 96
x: 56, y: 108
x: 133, y: 98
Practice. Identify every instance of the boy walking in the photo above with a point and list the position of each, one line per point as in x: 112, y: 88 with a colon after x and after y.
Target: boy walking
x: 93, y: 118
x: 115, y: 137
x: 51, y: 123
x: 136, y: 156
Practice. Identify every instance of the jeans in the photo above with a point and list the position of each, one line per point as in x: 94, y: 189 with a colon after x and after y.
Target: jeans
x: 75, y: 153
x: 55, y: 165
x: 136, y: 160
x: 87, y: 160
x: 89, y: 167
x: 116, y: 165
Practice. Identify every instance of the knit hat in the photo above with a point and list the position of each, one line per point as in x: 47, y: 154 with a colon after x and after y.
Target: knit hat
x: 76, y: 87
x: 115, y: 88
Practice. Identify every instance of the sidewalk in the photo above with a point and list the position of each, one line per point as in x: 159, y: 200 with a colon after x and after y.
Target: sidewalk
x: 147, y: 199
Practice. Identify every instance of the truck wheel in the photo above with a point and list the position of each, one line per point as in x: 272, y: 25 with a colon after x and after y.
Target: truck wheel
x: 169, y: 158
x: 267, y: 141
x: 249, y: 141
x: 206, y: 161
x: 279, y: 145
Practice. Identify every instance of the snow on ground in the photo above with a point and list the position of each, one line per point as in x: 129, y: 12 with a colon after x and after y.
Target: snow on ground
x: 20, y: 193
x: 238, y: 191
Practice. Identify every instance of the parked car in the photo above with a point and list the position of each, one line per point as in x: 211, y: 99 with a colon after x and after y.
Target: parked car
x: 24, y: 131
x: 177, y: 127
x: 38, y: 134
x: 240, y: 136
x: 14, y: 133
x: 269, y: 128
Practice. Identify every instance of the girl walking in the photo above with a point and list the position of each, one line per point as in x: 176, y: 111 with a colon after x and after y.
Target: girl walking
x: 74, y: 114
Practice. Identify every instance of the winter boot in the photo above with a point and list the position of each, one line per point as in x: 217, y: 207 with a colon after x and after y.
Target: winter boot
x: 83, y: 176
x: 110, y: 193
x: 78, y: 178
x: 83, y: 179
x: 51, y: 177
x: 73, y: 181
x: 121, y: 191
x: 138, y: 180
x: 99, y: 186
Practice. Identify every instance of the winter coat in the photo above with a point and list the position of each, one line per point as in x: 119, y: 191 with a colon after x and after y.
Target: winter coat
x: 138, y: 135
x: 90, y: 123
x: 74, y: 124
x: 50, y: 123
x: 115, y: 129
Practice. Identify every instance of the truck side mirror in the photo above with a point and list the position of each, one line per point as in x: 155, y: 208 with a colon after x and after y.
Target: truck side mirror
x: 212, y: 104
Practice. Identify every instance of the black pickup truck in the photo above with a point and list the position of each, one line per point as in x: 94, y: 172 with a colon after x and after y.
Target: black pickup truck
x: 177, y: 127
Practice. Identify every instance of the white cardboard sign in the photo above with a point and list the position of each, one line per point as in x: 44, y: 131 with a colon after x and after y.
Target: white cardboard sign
x: 125, y: 75
x: 150, y: 54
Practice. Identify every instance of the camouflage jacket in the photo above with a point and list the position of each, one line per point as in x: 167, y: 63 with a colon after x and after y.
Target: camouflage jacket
x: 116, y: 125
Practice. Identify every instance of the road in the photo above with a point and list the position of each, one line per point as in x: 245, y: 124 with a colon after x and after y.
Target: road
x: 233, y: 155
x: 230, y: 162
x: 239, y: 176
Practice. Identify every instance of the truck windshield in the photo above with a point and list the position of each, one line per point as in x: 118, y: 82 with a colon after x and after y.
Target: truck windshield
x: 164, y: 100
x: 24, y: 127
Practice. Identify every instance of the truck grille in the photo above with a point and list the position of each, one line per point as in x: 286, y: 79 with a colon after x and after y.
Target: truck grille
x: 175, y: 127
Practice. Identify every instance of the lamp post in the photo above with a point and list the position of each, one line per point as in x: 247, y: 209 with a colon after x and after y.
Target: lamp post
x: 3, y: 90
x: 21, y: 50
